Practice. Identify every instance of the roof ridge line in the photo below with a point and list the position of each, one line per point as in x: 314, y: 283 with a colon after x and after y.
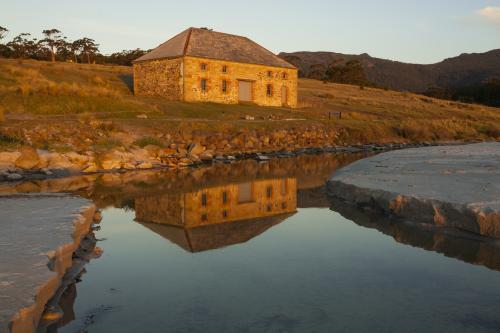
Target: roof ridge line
x: 188, y: 38
x: 269, y: 51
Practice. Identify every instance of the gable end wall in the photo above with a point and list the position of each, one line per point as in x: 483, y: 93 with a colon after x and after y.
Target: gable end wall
x: 161, y: 78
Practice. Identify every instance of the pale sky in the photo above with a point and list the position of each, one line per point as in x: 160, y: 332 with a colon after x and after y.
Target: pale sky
x: 423, y: 31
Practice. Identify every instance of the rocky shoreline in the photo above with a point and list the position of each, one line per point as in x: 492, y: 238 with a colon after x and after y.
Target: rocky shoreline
x: 28, y: 163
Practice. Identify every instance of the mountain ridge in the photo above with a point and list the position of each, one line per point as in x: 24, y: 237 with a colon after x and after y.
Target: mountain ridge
x: 466, y: 69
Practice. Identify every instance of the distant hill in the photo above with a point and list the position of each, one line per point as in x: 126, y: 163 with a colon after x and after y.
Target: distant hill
x: 465, y: 70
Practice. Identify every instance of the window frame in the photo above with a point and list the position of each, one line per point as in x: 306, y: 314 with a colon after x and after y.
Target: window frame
x: 203, y: 85
x: 269, y: 191
x: 203, y: 67
x: 224, y: 69
x: 269, y: 90
x: 224, y: 86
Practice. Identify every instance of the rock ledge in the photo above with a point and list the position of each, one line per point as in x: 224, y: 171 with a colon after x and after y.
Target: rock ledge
x: 39, y: 234
x: 451, y: 186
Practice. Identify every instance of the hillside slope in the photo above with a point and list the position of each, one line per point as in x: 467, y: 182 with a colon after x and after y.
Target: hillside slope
x: 67, y: 106
x: 457, y: 72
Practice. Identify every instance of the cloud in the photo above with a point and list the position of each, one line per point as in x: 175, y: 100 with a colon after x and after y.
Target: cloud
x: 490, y: 15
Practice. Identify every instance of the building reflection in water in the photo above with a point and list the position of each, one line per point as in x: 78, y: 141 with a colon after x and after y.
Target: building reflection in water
x: 218, y: 216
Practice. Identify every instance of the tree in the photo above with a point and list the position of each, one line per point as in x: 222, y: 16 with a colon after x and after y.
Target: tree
x: 3, y: 32
x: 125, y: 57
x: 23, y: 47
x: 76, y: 49
x: 351, y: 73
x: 53, y: 41
x: 4, y: 50
x: 88, y: 47
x: 64, y: 50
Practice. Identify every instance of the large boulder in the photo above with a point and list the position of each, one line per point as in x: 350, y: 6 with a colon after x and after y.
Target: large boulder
x: 77, y: 159
x: 59, y: 161
x: 8, y: 159
x: 29, y: 158
x: 140, y: 154
x: 153, y: 150
x: 195, y: 149
x: 111, y: 160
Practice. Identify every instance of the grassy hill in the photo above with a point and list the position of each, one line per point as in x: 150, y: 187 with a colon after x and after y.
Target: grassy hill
x: 462, y: 71
x: 48, y: 104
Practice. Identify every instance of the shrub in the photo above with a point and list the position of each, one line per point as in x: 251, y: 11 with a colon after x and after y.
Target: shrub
x: 491, y: 130
x: 107, y: 144
x: 148, y: 140
x: 9, y: 140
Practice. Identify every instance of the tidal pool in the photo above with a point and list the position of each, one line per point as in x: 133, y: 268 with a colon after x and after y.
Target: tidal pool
x: 259, y: 248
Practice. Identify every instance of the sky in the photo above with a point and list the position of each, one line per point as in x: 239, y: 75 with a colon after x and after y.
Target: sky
x: 423, y: 31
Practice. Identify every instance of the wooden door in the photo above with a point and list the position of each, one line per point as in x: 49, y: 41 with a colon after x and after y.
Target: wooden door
x: 284, y: 97
x: 244, y: 91
x: 245, y: 194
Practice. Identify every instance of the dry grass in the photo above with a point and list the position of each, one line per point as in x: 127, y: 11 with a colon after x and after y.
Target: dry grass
x: 376, y: 113
x: 47, y: 93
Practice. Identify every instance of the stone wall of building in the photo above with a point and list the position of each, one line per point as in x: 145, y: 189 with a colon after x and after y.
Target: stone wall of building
x: 268, y: 197
x: 159, y: 78
x: 220, y: 204
x: 259, y: 75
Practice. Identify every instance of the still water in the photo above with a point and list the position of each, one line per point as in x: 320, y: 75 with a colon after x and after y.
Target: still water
x: 258, y: 248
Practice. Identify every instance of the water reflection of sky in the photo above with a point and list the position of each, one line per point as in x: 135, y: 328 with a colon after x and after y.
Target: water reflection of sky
x: 314, y: 272
x: 252, y: 247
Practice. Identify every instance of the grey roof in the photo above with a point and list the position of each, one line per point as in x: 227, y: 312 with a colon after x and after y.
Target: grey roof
x: 210, y: 44
x: 215, y: 236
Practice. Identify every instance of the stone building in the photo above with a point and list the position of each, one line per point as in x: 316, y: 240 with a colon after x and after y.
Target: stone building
x: 218, y: 216
x: 201, y: 65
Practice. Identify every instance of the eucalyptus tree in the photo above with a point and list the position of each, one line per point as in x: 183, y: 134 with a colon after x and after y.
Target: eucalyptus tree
x: 53, y: 42
x: 88, y: 47
x: 22, y: 46
x: 3, y: 32
x: 4, y: 50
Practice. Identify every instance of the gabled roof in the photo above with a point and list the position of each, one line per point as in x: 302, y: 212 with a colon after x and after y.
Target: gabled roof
x: 204, y: 43
x: 215, y: 236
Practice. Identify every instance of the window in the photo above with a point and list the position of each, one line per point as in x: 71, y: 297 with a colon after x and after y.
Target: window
x: 269, y: 74
x: 225, y: 214
x: 204, y: 217
x: 203, y: 67
x: 283, y: 205
x: 269, y: 191
x: 204, y: 199
x: 283, y: 187
x: 224, y: 86
x: 203, y: 85
x: 284, y: 76
x: 224, y: 69
x: 269, y: 208
x: 269, y: 90
x: 224, y: 197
